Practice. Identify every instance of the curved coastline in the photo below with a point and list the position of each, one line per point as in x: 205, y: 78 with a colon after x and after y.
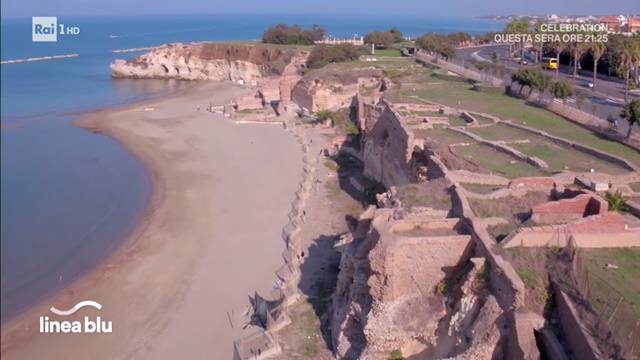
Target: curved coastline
x: 20, y: 336
x: 87, y: 120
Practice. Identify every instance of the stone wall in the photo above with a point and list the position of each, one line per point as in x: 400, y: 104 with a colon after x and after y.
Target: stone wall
x: 331, y: 89
x: 387, y: 146
x: 603, y: 230
x: 386, y: 297
x: 568, y: 210
x: 582, y: 344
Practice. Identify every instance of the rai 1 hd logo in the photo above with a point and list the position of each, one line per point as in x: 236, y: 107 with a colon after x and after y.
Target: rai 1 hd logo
x: 47, y: 29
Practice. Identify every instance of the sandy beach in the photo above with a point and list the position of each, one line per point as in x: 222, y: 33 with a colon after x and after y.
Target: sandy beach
x: 209, y: 240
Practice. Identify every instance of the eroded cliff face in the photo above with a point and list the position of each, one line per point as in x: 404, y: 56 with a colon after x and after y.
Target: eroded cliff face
x: 205, y: 61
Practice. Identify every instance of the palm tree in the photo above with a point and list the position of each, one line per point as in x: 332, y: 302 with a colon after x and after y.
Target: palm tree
x: 597, y: 49
x: 626, y: 58
x: 558, y: 47
x: 537, y: 45
x: 631, y: 112
x: 577, y: 50
x: 518, y: 27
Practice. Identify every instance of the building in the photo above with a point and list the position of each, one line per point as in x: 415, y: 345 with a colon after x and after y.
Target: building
x: 613, y: 23
x: 633, y: 25
x: 356, y: 40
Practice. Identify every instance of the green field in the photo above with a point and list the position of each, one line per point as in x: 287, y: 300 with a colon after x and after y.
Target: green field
x: 558, y: 157
x: 607, y: 282
x: 388, y: 52
x: 443, y: 136
x: 497, y: 162
x: 457, y: 94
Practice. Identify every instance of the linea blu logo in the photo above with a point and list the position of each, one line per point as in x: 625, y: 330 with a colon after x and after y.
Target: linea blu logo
x: 87, y: 325
x: 47, y: 29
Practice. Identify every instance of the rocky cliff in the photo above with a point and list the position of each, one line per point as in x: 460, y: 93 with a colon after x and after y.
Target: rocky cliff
x: 205, y: 61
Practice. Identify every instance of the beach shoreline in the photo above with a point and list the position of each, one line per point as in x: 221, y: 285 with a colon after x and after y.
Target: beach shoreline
x: 170, y: 295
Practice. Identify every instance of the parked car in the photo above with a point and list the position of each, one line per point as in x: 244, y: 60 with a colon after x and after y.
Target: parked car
x: 588, y: 84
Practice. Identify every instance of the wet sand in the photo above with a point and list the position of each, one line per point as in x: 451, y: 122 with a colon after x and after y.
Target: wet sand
x: 210, y: 238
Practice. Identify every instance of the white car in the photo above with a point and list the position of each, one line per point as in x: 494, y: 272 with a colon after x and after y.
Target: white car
x: 588, y: 84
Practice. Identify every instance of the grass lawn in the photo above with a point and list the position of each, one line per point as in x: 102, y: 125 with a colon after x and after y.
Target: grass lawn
x: 609, y: 283
x: 443, y: 136
x: 483, y: 120
x: 497, y: 162
x: 501, y: 132
x: 559, y: 157
x: 461, y: 94
x: 457, y: 121
x: 388, y: 52
x: 481, y: 188
x: 556, y: 156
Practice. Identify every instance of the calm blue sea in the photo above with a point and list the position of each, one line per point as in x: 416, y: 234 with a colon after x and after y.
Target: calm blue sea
x: 69, y: 197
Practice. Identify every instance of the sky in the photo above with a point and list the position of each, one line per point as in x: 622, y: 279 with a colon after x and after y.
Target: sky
x: 28, y: 8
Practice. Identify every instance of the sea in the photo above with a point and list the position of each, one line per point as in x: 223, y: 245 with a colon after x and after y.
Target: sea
x: 69, y: 197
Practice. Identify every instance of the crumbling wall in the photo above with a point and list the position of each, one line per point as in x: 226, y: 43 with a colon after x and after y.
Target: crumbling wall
x: 568, y: 210
x: 389, y: 291
x: 602, y: 230
x: 332, y: 89
x: 387, y: 146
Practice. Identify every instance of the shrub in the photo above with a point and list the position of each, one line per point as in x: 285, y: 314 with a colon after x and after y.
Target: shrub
x: 631, y: 113
x: 396, y: 355
x: 561, y: 89
x: 322, y: 55
x: 616, y: 201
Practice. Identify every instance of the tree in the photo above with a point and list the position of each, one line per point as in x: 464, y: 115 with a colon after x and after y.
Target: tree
x: 519, y: 26
x: 628, y: 57
x: 283, y: 34
x: 537, y: 44
x: 540, y: 81
x: 577, y: 50
x: 597, y: 49
x: 436, y: 43
x: 381, y: 39
x: 322, y: 55
x: 522, y: 77
x: 558, y: 47
x: 561, y: 90
x: 631, y: 113
x: 459, y: 38
x: 397, y: 35
x: 316, y: 33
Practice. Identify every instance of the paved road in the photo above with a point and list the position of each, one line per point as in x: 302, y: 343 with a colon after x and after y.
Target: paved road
x: 608, y: 96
